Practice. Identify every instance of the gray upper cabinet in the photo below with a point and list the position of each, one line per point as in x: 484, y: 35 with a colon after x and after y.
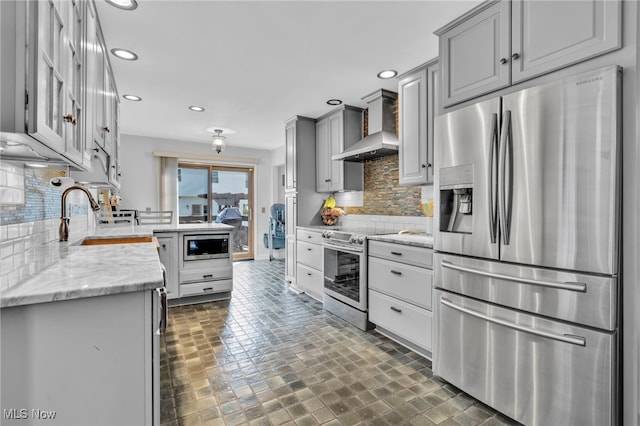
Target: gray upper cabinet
x: 504, y: 42
x: 416, y: 93
x: 472, y: 50
x: 547, y: 35
x: 334, y: 131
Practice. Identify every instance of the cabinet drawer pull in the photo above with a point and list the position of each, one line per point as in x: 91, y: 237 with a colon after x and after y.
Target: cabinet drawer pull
x: 396, y: 272
x: 309, y: 273
x: 396, y: 253
x: 207, y: 289
x: 309, y: 249
x: 208, y: 276
x: 394, y: 309
x: 309, y: 236
x: 327, y: 180
x: 515, y: 56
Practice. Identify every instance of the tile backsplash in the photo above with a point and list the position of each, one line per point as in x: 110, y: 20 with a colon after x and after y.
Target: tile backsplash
x: 382, y: 195
x: 30, y: 211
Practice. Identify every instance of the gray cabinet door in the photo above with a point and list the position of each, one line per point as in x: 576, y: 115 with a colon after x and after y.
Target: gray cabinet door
x: 290, y: 238
x: 412, y: 117
x: 290, y: 156
x: 475, y: 54
x: 323, y: 156
x: 547, y: 35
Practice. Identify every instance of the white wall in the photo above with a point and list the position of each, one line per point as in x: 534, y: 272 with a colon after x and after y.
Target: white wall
x: 139, y: 181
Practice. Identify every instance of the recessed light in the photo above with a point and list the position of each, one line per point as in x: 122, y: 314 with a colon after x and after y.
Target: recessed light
x: 36, y: 165
x: 123, y: 4
x: 387, y: 74
x: 334, y: 102
x: 132, y: 98
x: 196, y: 108
x: 125, y: 54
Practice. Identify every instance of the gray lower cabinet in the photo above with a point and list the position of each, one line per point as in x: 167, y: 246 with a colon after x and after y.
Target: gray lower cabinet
x: 400, y: 293
x: 168, y: 252
x: 89, y: 361
x: 504, y: 42
x: 309, y: 263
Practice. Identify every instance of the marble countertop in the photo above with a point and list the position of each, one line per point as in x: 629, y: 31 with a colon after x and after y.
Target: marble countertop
x: 417, y: 240
x: 67, y: 270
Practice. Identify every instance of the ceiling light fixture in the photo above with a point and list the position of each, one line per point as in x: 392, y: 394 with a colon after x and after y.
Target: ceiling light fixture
x: 386, y: 74
x: 36, y: 165
x: 132, y: 98
x: 218, y: 141
x: 123, y: 4
x: 334, y: 102
x: 196, y: 108
x: 125, y: 54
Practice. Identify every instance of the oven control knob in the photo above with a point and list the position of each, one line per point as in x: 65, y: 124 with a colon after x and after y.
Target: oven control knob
x: 361, y: 240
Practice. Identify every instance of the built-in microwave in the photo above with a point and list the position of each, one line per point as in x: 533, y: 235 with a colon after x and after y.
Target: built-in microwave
x: 206, y: 246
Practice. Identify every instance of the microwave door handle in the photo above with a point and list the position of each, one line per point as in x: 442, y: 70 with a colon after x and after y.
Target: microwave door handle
x: 493, y: 180
x: 502, y: 178
x: 565, y: 338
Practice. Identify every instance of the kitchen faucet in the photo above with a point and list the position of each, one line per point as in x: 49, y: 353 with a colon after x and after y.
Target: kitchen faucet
x: 64, y: 225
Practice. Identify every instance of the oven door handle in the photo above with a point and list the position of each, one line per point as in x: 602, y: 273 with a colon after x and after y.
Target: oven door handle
x: 343, y: 249
x: 565, y: 338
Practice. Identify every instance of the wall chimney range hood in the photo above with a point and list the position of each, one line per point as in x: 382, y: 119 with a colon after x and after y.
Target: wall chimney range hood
x: 382, y: 139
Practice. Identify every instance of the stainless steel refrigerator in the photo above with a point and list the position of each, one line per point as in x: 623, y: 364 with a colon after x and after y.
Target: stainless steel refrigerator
x: 527, y: 236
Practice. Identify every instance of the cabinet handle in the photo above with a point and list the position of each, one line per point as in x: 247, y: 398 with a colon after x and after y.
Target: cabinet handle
x: 207, y: 289
x: 309, y: 273
x: 164, y: 316
x: 394, y: 309
x: 164, y: 246
x: 428, y: 164
x: 396, y: 272
x: 424, y: 166
x: 327, y: 180
x: 207, y: 276
x: 309, y: 249
x: 503, y: 61
x: 515, y: 56
x: 309, y: 236
x: 395, y: 253
x: 69, y: 118
x: 106, y: 129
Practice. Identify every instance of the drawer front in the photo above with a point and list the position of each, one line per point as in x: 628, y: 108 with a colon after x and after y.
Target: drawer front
x: 405, y: 320
x: 208, y: 274
x: 410, y: 283
x: 310, y: 281
x: 418, y: 256
x: 309, y: 236
x: 206, y: 287
x: 309, y: 254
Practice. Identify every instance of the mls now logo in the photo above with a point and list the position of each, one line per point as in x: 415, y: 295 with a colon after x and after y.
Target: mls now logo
x: 23, y: 413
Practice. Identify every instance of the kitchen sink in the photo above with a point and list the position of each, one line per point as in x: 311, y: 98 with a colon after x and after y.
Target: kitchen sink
x: 93, y: 241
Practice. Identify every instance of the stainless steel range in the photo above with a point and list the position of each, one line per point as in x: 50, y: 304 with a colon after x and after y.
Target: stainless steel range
x: 345, y: 275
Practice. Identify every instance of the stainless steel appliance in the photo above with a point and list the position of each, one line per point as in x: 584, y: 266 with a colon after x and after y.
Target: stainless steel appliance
x: 206, y: 246
x: 526, y: 239
x: 345, y: 275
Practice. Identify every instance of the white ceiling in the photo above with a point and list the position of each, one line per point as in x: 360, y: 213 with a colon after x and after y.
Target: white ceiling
x: 255, y: 64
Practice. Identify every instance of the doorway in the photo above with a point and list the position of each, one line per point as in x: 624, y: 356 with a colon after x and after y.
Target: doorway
x: 210, y: 193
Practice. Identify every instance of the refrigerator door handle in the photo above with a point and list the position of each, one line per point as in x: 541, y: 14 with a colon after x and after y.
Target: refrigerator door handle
x: 493, y: 181
x: 504, y: 182
x: 565, y: 338
x: 577, y: 286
